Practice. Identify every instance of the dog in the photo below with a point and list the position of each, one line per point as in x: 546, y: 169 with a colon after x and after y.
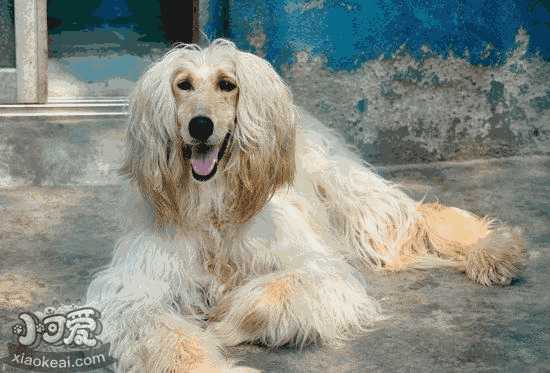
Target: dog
x: 248, y: 221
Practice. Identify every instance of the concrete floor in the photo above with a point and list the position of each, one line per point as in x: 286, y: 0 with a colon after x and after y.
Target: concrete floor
x: 53, y: 236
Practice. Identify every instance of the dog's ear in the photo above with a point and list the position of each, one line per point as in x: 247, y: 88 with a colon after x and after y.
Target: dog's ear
x: 265, y: 132
x: 150, y: 154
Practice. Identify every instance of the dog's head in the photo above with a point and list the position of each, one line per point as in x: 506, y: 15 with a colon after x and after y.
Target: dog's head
x: 210, y: 115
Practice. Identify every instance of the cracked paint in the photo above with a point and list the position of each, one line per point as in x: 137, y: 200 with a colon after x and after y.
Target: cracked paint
x: 431, y: 109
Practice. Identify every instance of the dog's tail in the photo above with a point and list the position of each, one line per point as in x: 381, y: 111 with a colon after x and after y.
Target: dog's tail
x: 490, y: 253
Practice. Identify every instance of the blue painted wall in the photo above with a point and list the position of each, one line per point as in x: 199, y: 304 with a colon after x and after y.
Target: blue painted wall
x: 350, y: 32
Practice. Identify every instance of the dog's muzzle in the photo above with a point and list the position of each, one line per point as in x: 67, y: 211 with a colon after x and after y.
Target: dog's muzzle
x: 204, y: 158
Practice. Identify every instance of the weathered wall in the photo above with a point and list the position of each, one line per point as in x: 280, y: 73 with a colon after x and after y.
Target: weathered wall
x: 408, y: 80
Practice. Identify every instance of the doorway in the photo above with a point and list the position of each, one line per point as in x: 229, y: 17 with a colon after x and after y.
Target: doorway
x: 99, y: 48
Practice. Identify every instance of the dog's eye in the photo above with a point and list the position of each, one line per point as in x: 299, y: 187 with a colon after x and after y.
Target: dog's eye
x: 226, y: 85
x: 185, y: 85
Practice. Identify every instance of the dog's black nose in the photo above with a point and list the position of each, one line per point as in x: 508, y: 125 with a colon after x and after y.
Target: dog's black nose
x: 201, y: 128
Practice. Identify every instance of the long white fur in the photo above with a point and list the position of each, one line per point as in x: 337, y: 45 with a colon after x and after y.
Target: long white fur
x: 289, y: 266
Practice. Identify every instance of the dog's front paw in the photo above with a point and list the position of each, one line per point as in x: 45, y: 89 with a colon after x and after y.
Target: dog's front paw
x: 174, y: 350
x: 258, y: 312
x: 297, y: 308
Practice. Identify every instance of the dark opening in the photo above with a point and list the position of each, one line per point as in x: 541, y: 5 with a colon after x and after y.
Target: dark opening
x: 178, y: 20
x: 132, y: 26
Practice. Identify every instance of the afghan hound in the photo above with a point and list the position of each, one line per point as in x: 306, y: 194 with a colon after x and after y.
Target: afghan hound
x: 248, y: 221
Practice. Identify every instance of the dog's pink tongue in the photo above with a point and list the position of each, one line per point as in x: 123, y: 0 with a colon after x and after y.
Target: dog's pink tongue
x: 203, y: 166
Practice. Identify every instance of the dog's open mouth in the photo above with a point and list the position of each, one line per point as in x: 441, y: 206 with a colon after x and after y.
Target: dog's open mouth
x: 204, y: 158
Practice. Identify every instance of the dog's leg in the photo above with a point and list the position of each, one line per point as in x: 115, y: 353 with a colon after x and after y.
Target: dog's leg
x: 390, y: 231
x: 488, y: 252
x: 312, y: 296
x: 147, y: 299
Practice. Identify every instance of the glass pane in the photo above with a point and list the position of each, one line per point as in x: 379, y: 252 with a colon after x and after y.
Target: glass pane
x: 7, y: 34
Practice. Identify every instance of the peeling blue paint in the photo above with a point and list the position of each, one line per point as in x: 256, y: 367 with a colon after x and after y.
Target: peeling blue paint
x: 349, y: 32
x: 361, y: 105
x: 216, y: 26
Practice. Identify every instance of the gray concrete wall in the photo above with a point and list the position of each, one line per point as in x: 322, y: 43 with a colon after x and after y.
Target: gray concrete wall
x: 8, y: 85
x: 60, y: 151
